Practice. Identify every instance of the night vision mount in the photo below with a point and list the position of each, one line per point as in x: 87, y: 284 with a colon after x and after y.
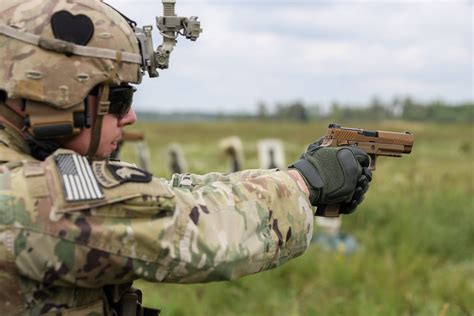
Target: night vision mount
x: 170, y: 27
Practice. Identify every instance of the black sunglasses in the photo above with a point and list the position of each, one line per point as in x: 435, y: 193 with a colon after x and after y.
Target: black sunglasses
x: 121, y: 98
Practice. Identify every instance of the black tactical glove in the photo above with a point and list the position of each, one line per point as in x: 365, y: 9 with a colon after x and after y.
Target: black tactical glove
x: 335, y: 176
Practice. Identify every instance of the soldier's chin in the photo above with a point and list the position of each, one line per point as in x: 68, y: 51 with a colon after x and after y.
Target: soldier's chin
x: 114, y: 146
x: 105, y: 152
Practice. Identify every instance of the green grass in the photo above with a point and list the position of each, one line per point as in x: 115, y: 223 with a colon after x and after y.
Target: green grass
x: 415, y: 229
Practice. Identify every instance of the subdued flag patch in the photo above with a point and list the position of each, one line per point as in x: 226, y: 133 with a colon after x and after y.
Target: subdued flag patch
x: 78, y: 180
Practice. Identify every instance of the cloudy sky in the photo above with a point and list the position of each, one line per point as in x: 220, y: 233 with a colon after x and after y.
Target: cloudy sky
x: 315, y: 51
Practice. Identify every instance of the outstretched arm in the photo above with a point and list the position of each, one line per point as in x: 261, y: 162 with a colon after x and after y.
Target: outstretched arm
x: 198, y: 231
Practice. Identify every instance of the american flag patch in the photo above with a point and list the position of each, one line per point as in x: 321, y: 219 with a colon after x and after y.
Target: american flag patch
x: 78, y: 180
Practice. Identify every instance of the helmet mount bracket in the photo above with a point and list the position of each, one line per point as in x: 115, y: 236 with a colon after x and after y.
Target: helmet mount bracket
x: 170, y: 27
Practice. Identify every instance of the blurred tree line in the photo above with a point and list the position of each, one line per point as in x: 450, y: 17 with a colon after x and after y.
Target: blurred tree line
x: 399, y: 108
x: 405, y: 108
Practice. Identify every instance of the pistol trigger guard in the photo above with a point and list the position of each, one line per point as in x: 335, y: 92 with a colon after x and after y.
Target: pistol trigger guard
x: 372, y: 162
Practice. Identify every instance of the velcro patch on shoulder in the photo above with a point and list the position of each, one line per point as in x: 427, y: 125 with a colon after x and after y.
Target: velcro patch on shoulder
x: 79, y: 182
x: 125, y: 173
x: 105, y: 178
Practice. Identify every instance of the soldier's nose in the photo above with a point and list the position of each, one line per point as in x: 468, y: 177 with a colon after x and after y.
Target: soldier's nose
x: 128, y: 119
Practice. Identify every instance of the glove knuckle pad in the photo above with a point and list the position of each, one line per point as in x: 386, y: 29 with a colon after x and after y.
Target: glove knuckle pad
x: 349, y: 165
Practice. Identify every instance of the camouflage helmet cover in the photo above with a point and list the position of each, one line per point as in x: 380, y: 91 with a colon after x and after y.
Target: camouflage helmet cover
x: 31, y: 72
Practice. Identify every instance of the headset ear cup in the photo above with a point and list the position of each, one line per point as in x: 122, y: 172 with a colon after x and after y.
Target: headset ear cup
x: 83, y: 119
x: 79, y: 119
x: 45, y: 122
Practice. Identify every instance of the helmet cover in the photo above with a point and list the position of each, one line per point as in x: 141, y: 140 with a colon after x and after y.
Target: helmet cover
x: 63, y: 80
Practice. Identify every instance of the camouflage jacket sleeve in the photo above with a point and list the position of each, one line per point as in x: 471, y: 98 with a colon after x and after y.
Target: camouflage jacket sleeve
x: 194, y: 229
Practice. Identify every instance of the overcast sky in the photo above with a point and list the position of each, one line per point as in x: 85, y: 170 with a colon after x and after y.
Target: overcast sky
x: 315, y: 51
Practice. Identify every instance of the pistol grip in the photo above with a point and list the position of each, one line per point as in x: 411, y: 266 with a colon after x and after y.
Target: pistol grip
x: 331, y: 210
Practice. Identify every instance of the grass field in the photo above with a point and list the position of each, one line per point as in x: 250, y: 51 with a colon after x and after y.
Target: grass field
x: 415, y: 229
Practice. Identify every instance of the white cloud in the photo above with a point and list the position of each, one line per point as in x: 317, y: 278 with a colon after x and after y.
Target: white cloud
x: 314, y: 51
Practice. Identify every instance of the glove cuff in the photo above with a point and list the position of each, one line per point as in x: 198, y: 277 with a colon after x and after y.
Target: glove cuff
x: 311, y: 176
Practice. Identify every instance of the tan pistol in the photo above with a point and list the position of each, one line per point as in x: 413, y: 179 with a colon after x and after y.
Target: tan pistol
x: 374, y: 143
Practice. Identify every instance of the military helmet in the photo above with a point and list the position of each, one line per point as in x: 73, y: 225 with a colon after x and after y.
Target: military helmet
x: 56, y: 52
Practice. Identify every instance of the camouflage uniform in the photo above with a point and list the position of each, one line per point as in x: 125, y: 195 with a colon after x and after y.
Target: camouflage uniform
x: 57, y: 253
x: 68, y: 228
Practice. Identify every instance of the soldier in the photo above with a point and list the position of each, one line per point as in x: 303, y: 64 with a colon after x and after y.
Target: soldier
x: 77, y: 228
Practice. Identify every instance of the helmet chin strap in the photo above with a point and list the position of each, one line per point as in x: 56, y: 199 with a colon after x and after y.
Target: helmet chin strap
x: 102, y: 109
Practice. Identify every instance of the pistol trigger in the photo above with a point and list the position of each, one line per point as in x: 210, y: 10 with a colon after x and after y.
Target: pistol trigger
x: 373, y: 157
